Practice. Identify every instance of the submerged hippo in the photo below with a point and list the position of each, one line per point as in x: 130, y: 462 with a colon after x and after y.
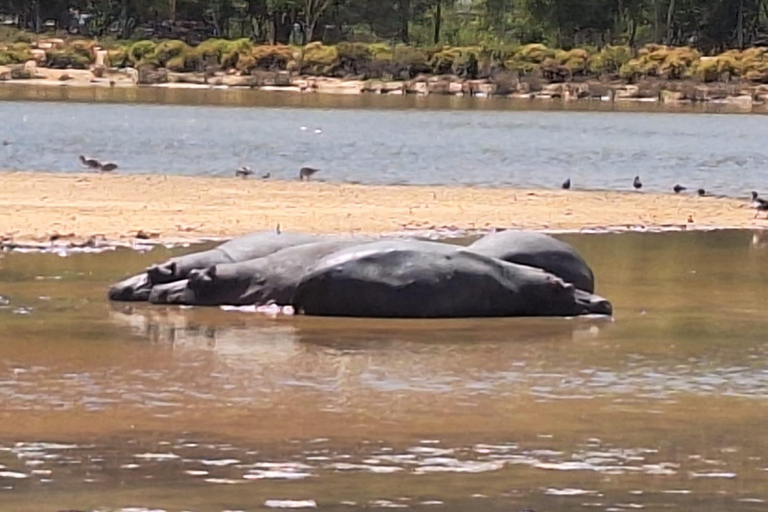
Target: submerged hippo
x: 411, y: 279
x: 540, y: 251
x: 138, y: 288
x: 271, y: 279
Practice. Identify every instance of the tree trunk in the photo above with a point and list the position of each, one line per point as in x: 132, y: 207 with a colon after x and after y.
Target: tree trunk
x: 172, y: 10
x: 125, y: 27
x: 670, y: 22
x: 438, y: 20
x: 740, y: 27
x: 405, y: 15
x: 656, y: 32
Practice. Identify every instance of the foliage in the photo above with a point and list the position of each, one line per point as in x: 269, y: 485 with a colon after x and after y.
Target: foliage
x: 15, y: 53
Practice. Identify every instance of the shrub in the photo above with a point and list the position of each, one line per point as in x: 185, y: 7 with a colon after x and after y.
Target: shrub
x: 317, y: 59
x: 353, y: 58
x: 67, y: 58
x: 661, y: 61
x: 233, y: 51
x: 529, y: 58
x: 142, y: 52
x: 118, y: 57
x: 458, y: 61
x: 609, y: 60
x: 266, y: 57
x: 171, y: 50
x: 15, y: 53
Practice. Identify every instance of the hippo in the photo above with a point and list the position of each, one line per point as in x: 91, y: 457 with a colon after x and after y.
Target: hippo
x: 244, y: 248
x: 138, y: 287
x: 412, y: 279
x: 133, y: 289
x: 540, y: 251
x: 260, y: 281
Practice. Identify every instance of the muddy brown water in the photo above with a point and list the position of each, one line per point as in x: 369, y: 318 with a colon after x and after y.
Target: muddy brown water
x: 108, y: 407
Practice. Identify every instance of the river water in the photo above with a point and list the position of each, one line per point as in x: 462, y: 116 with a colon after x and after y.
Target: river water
x: 108, y: 407
x: 383, y: 140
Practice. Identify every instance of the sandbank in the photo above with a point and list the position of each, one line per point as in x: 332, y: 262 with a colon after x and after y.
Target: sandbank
x: 44, y: 208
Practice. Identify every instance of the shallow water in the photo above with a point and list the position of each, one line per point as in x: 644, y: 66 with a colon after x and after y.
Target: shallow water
x: 118, y: 406
x: 382, y: 140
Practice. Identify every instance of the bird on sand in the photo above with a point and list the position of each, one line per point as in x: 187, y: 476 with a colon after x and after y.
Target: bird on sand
x: 305, y: 173
x: 701, y: 192
x: 679, y: 188
x: 90, y: 163
x: 244, y: 172
x: 266, y: 175
x: 637, y: 183
x: 759, y: 204
x: 567, y: 184
x: 108, y: 166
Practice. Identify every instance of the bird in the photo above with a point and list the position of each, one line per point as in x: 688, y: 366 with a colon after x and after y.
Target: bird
x: 567, y: 184
x: 90, y: 163
x: 266, y: 175
x: 637, y: 183
x: 305, y: 173
x: 244, y: 171
x: 759, y: 204
x: 108, y: 166
x: 701, y: 192
x: 679, y: 188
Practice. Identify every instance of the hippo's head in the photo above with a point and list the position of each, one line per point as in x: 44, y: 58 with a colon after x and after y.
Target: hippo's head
x: 201, y: 280
x: 162, y: 273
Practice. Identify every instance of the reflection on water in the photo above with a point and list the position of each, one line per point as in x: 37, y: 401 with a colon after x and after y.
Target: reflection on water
x: 115, y: 406
x: 382, y: 141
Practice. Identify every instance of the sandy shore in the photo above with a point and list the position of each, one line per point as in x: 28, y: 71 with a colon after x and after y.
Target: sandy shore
x: 71, y: 208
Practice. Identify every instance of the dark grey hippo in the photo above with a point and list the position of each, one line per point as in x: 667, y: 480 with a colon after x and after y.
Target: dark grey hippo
x: 244, y: 248
x: 134, y: 289
x: 271, y: 279
x: 540, y: 251
x: 411, y: 279
x: 138, y: 288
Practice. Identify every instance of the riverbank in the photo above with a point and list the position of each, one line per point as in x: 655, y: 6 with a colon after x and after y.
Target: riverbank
x: 72, y: 209
x: 669, y: 76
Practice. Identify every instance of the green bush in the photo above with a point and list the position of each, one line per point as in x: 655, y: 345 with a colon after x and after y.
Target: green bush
x: 268, y: 58
x: 233, y: 51
x: 609, y: 60
x: 16, y: 53
x: 353, y: 58
x: 458, y: 61
x: 171, y: 50
x: 317, y: 59
x: 661, y: 61
x: 118, y: 57
x: 142, y: 52
x: 67, y: 58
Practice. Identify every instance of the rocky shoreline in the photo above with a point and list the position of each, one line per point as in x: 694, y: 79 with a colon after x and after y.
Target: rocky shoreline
x: 743, y: 96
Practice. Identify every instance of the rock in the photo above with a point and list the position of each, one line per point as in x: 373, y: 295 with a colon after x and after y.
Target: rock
x: 435, y: 87
x: 186, y: 78
x: 100, y: 58
x: 5, y: 73
x: 238, y: 81
x: 283, y: 78
x: 39, y: 55
x: 149, y: 75
x: 340, y: 87
x: 672, y: 97
x: 416, y: 87
x: 625, y: 92
x: 456, y: 88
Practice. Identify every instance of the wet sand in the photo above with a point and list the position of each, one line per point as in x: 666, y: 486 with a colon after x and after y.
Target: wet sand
x: 39, y: 207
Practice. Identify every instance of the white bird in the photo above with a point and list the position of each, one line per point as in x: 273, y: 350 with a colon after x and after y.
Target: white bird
x: 318, y: 131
